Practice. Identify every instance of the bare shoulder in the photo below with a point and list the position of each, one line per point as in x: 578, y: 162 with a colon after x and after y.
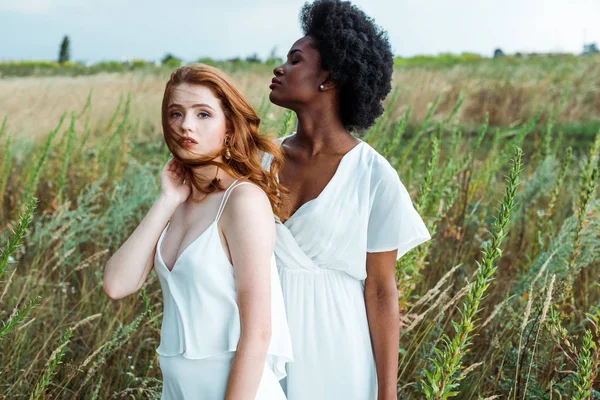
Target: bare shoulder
x: 247, y: 192
x: 247, y: 202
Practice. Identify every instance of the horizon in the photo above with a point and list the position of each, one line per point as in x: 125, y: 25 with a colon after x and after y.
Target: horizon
x: 263, y: 60
x: 116, y: 30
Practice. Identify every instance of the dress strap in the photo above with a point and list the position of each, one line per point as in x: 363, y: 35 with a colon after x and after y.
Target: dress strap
x: 226, y: 197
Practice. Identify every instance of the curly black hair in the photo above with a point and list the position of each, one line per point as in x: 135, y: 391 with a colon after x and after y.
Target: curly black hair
x: 356, y: 53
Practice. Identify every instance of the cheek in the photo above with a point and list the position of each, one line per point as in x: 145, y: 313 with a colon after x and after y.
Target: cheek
x: 302, y: 90
x: 304, y: 83
x: 297, y: 90
x: 215, y: 133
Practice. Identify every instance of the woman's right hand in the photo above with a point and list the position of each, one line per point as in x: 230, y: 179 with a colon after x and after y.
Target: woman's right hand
x: 175, y: 185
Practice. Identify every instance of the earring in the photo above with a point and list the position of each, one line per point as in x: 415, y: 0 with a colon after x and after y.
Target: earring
x: 227, y: 152
x: 322, y: 87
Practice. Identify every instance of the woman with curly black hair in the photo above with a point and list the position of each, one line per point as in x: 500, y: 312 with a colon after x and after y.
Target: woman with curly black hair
x: 350, y: 216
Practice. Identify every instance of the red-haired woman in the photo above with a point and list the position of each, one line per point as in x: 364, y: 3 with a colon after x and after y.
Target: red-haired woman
x: 210, y: 237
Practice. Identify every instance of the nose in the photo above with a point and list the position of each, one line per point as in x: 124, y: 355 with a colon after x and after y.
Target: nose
x: 278, y: 71
x: 186, y: 124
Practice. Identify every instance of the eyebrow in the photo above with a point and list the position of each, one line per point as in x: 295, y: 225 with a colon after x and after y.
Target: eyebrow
x: 294, y: 51
x: 194, y: 106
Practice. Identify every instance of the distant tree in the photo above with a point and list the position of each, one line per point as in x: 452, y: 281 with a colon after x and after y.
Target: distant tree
x: 171, y: 61
x: 207, y: 61
x: 65, y: 50
x: 590, y: 48
x: 253, y: 58
x: 235, y: 60
x: 498, y: 53
x: 136, y: 63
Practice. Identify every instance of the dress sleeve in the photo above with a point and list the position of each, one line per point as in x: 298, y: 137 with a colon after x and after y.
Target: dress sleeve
x: 393, y: 221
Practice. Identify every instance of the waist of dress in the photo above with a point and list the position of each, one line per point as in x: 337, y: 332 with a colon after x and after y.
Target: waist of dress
x: 317, y: 271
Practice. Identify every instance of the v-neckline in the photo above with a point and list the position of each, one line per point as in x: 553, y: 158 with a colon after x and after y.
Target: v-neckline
x: 158, y: 250
x: 214, y: 223
x: 335, y: 174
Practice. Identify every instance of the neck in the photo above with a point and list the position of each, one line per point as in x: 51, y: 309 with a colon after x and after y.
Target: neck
x: 204, y: 175
x: 320, y: 128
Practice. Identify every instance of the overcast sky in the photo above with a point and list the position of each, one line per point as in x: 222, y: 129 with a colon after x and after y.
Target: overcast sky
x: 190, y: 29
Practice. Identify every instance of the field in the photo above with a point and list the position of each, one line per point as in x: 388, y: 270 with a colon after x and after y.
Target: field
x: 501, y: 159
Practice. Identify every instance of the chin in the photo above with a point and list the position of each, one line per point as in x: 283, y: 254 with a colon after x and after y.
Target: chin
x: 273, y: 98
x: 278, y: 101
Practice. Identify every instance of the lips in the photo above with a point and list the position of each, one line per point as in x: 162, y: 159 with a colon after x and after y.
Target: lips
x: 274, y: 83
x: 187, y: 141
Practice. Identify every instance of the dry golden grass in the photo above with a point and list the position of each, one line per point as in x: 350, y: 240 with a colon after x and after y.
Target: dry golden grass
x: 510, y: 95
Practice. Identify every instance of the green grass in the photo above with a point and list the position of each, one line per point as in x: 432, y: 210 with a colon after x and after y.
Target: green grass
x: 502, y: 302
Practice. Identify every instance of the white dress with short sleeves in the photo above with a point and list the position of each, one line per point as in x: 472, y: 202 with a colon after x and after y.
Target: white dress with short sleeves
x: 201, y: 321
x: 321, y: 258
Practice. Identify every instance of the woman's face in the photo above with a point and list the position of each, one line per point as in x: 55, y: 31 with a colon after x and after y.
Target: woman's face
x: 196, y: 116
x: 297, y: 81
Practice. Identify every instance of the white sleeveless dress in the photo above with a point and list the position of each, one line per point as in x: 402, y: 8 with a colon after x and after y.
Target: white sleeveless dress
x: 201, y: 321
x: 321, y: 257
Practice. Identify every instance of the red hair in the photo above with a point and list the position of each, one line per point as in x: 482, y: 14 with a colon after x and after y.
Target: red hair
x: 246, y: 145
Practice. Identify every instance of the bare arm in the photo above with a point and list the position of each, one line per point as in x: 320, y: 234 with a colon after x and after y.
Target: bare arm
x: 381, y: 299
x: 249, y: 228
x: 128, y: 268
